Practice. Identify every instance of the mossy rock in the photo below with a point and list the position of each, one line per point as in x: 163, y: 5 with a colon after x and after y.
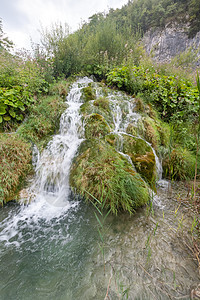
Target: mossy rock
x: 139, y: 105
x: 87, y: 108
x: 132, y: 129
x: 102, y: 103
x: 142, y: 157
x: 154, y: 131
x: 88, y: 93
x: 99, y: 106
x: 96, y: 126
x: 100, y: 172
x: 113, y: 139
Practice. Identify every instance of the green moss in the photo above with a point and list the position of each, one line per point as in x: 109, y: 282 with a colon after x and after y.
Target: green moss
x: 96, y: 126
x: 103, y: 103
x: 132, y: 129
x: 101, y: 171
x: 87, y: 108
x: 142, y: 157
x: 179, y: 164
x: 88, y: 93
x: 113, y: 139
x: 139, y: 105
x: 15, y: 162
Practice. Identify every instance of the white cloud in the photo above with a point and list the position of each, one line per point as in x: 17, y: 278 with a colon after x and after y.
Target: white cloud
x: 22, y: 19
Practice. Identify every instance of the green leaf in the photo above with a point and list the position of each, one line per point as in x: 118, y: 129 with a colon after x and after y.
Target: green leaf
x: 2, y: 109
x: 1, y: 119
x: 7, y: 118
x: 19, y: 117
x: 12, y: 113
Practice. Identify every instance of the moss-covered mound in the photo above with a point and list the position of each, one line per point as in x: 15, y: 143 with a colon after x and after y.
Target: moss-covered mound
x: 142, y: 157
x: 43, y: 120
x: 15, y: 162
x: 102, y: 172
x: 96, y: 126
x: 88, y: 93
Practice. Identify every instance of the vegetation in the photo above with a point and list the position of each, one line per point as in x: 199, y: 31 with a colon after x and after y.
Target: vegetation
x: 108, y: 47
x: 109, y: 177
x: 15, y: 163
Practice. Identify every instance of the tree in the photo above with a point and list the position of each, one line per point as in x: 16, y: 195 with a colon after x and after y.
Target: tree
x: 5, y: 43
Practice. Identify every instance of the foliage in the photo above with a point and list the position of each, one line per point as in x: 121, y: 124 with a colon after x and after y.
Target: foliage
x: 15, y: 162
x: 174, y: 98
x: 120, y: 185
x: 43, y: 120
x: 21, y: 81
x: 179, y: 164
x: 5, y: 43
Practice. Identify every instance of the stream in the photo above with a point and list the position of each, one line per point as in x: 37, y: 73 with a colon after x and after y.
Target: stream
x: 51, y: 248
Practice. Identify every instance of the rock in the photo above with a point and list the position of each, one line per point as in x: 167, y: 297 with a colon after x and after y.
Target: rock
x: 166, y: 43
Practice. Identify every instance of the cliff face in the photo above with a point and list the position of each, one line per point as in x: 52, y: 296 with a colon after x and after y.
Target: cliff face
x: 165, y: 43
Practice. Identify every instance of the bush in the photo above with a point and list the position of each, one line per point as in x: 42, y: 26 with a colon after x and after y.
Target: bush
x: 21, y: 81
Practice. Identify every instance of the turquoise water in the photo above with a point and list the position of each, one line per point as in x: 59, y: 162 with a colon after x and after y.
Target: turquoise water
x: 47, y: 259
x: 60, y: 258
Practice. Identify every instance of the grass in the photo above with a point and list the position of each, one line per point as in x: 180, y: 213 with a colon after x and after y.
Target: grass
x: 43, y: 120
x: 15, y: 163
x: 109, y: 177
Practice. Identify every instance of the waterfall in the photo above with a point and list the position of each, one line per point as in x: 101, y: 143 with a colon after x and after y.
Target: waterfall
x: 50, y: 192
x: 52, y: 169
x: 121, y: 123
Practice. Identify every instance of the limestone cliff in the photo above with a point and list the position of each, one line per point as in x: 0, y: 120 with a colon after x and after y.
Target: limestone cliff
x: 164, y: 44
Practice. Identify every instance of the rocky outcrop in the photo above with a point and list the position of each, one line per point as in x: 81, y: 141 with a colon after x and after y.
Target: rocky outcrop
x: 164, y: 44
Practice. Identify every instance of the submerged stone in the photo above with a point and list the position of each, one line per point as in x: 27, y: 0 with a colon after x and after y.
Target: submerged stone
x: 100, y: 173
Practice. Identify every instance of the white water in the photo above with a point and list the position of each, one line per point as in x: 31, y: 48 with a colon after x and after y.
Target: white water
x: 121, y: 123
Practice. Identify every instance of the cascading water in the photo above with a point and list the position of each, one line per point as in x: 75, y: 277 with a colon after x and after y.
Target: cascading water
x: 49, y: 249
x: 121, y: 123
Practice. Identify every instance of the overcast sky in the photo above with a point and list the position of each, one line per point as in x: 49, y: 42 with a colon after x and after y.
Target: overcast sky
x: 22, y: 19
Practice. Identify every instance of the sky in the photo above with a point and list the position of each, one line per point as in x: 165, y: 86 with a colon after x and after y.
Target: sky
x: 23, y: 19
